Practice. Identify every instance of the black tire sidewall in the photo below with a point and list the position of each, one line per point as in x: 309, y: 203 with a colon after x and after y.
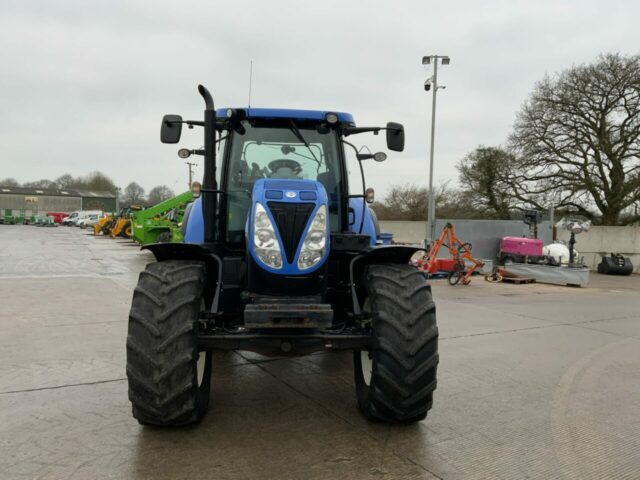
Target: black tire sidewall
x: 366, y: 394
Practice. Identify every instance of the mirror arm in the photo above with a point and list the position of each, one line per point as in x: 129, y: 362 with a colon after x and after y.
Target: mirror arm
x: 352, y: 146
x: 346, y: 131
x: 191, y: 123
x: 364, y: 198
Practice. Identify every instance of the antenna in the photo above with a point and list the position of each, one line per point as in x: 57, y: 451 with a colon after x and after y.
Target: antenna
x: 250, y: 79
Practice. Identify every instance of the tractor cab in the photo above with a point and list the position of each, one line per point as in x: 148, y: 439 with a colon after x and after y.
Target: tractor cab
x: 294, y: 149
x: 279, y: 257
x: 283, y: 147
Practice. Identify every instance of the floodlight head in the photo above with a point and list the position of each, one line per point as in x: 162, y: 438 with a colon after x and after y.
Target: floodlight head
x: 574, y: 225
x: 445, y: 60
x: 426, y: 60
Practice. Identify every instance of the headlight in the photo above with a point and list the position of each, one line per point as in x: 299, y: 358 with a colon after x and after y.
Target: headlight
x: 265, y: 242
x: 315, y: 240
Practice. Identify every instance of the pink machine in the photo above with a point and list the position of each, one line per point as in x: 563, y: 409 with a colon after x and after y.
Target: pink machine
x: 520, y: 247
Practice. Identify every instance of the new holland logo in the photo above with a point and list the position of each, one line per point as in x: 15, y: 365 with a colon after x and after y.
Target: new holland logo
x: 290, y: 194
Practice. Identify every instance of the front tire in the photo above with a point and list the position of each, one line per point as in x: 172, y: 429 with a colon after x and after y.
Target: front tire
x: 169, y: 379
x: 396, y: 379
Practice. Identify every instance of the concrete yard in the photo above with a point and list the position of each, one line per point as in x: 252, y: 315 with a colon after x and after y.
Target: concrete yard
x: 535, y: 381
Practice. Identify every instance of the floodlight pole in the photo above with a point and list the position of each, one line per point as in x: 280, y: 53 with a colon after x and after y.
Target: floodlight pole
x: 431, y: 207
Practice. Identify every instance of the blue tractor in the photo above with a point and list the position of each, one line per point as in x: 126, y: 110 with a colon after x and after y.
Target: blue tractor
x: 280, y: 258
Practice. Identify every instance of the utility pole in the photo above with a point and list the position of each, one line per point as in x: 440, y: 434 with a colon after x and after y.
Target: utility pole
x: 190, y: 164
x: 432, y: 83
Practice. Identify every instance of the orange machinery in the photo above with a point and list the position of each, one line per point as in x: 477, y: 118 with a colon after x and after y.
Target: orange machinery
x: 460, y: 252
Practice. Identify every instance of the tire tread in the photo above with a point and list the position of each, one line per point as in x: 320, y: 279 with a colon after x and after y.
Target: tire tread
x: 161, y: 349
x: 406, y: 357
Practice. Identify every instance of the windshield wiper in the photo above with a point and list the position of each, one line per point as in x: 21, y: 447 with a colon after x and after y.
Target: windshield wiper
x: 296, y: 132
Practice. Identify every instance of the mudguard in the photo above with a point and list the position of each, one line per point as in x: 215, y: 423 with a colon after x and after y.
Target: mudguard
x: 398, y: 254
x: 186, y: 251
x: 369, y: 224
x: 194, y: 220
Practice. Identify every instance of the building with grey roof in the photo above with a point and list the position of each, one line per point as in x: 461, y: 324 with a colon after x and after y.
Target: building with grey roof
x: 41, y: 200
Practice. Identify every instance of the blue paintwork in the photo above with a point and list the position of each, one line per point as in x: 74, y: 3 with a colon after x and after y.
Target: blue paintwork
x: 273, y: 194
x: 386, y: 238
x: 369, y: 227
x: 195, y: 224
x: 318, y: 115
x: 297, y: 186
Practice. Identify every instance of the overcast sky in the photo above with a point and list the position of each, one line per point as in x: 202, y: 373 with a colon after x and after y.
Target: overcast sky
x: 84, y: 84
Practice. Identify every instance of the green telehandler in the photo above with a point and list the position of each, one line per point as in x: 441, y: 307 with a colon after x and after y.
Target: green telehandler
x: 161, y: 223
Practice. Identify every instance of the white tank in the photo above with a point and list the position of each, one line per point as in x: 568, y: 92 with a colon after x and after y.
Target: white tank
x: 559, y: 252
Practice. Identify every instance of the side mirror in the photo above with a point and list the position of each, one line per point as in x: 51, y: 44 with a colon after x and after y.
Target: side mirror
x: 171, y: 129
x: 395, y: 136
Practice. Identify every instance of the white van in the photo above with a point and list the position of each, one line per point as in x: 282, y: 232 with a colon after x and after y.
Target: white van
x: 90, y: 220
x: 71, y: 218
x: 79, y: 215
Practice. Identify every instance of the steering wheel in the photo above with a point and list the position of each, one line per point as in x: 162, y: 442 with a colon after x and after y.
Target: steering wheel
x: 276, y: 165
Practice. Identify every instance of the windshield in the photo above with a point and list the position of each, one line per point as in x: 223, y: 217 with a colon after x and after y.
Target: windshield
x: 292, y: 151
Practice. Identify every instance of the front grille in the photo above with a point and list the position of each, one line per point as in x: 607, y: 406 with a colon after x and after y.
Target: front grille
x: 291, y: 218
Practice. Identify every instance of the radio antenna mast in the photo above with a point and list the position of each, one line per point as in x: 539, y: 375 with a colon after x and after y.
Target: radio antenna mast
x: 250, y: 80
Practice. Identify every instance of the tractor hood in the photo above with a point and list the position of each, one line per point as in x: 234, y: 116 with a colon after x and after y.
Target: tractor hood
x: 287, y: 228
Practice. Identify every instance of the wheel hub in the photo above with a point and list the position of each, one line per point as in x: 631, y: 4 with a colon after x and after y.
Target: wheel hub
x: 367, y: 366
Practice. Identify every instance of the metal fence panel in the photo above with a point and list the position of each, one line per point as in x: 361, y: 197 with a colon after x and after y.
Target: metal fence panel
x: 484, y: 235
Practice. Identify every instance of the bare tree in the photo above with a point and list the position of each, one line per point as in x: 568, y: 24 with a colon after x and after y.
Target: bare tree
x: 577, y: 140
x: 159, y: 194
x: 455, y: 203
x: 409, y: 202
x: 405, y: 202
x: 9, y: 182
x: 99, y: 181
x: 133, y: 194
x: 94, y: 181
x: 44, y: 183
x: 483, y: 176
x: 66, y: 181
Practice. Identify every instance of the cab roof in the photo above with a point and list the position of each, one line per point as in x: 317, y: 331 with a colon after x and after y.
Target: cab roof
x: 289, y: 113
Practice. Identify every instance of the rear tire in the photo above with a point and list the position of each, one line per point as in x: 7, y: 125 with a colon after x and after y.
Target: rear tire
x: 397, y: 385
x: 106, y: 228
x: 454, y: 277
x: 166, y: 387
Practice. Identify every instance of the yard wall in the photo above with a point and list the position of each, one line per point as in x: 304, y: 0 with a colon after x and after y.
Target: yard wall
x: 484, y: 235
